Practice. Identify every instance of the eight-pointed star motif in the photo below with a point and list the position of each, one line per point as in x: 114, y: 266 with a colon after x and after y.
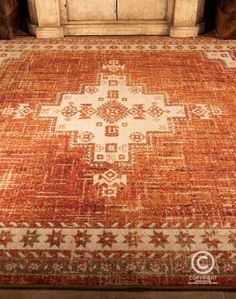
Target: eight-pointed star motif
x: 56, y: 238
x: 107, y: 239
x: 6, y: 237
x: 30, y: 238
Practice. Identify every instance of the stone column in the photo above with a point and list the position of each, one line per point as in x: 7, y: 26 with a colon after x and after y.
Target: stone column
x: 49, y: 23
x: 187, y: 15
x: 33, y: 19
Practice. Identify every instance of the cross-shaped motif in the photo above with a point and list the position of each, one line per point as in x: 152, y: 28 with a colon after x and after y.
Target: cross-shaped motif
x: 113, y: 115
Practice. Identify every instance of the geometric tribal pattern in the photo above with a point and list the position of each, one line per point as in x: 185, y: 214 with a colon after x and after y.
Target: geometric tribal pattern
x: 140, y: 239
x: 117, y: 162
x: 113, y: 115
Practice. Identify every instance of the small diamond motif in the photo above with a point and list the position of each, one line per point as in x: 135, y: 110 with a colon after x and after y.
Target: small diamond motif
x: 110, y: 175
x: 155, y: 111
x: 69, y: 111
x: 199, y: 112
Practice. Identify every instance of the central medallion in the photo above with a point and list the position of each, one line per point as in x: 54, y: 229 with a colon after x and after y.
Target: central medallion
x: 111, y: 119
x: 112, y: 111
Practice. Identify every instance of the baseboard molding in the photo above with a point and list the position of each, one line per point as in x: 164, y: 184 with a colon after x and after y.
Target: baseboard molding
x: 117, y: 28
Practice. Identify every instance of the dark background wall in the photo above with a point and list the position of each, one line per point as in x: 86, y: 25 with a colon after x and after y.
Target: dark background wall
x: 210, y: 12
x: 23, y: 8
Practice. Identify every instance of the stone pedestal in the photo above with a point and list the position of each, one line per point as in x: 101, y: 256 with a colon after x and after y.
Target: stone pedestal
x: 33, y: 19
x: 56, y: 18
x: 188, y: 18
x: 49, y: 23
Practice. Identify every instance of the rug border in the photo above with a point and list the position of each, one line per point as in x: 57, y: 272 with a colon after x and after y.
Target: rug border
x: 135, y: 41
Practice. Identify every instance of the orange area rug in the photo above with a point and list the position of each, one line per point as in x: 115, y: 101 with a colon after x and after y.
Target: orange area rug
x: 118, y: 162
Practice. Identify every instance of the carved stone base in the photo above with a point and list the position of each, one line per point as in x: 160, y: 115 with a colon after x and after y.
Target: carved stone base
x: 32, y: 28
x: 187, y: 31
x: 184, y: 31
x: 49, y: 32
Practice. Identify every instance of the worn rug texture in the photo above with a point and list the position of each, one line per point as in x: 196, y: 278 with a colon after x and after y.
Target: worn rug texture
x: 118, y: 162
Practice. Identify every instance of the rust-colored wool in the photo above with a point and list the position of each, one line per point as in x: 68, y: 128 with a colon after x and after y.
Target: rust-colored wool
x: 117, y: 162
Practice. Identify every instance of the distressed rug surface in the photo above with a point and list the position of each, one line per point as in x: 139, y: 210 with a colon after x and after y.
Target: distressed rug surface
x: 118, y: 162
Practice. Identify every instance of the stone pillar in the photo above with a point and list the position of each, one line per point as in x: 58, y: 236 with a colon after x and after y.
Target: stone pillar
x: 49, y: 23
x: 187, y: 15
x: 33, y: 19
x: 200, y: 15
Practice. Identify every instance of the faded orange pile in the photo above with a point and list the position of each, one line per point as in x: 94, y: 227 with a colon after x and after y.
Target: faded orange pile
x: 117, y: 162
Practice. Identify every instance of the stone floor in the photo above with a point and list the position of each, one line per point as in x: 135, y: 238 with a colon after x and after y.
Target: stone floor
x: 75, y: 294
